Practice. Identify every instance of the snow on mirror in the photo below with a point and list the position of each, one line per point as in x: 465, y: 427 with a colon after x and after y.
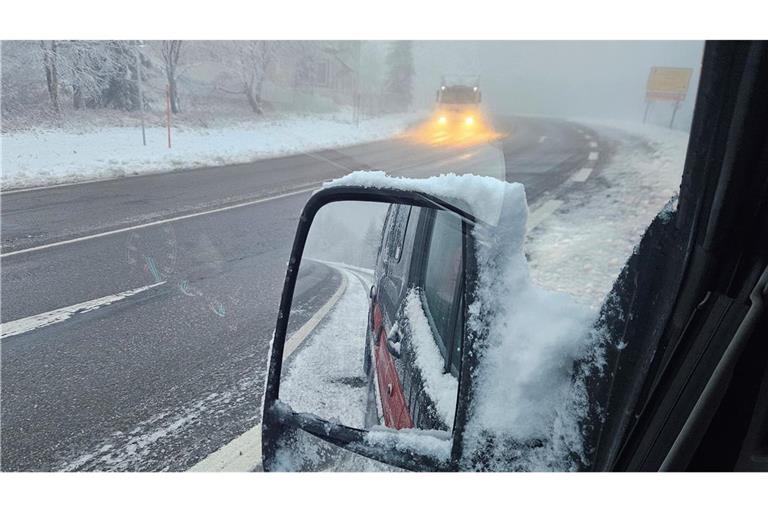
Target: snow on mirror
x: 376, y: 323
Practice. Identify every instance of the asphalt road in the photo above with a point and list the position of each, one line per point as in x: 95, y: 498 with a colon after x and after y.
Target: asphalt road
x: 160, y: 378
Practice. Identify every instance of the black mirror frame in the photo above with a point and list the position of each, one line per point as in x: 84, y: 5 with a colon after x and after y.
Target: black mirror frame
x: 277, y: 416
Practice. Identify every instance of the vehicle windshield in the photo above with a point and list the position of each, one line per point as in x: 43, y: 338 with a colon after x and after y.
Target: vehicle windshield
x: 151, y: 192
x: 458, y: 95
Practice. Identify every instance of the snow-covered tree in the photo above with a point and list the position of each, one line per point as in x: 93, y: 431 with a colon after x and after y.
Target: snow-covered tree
x: 94, y: 73
x: 90, y: 70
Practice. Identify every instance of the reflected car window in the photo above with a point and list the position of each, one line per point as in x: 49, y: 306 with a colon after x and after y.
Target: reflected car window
x: 443, y: 269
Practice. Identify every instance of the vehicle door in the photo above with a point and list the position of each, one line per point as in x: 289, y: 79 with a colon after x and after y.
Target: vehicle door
x: 418, y: 355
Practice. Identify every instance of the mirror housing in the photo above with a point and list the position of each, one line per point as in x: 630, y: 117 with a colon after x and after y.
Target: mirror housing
x: 279, y: 419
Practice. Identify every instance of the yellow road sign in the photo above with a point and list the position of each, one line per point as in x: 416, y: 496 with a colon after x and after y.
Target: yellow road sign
x: 668, y: 83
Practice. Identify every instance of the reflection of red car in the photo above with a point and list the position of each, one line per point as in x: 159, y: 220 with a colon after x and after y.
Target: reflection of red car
x: 413, y: 380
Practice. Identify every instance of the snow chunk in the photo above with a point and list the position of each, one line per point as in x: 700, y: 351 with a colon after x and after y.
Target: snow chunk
x: 433, y: 443
x: 482, y: 196
x: 530, y: 338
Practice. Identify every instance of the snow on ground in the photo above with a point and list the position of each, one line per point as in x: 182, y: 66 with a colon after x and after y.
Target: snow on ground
x: 582, y: 247
x: 52, y: 156
x: 325, y: 376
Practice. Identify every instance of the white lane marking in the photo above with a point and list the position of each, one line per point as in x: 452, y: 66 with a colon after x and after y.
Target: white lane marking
x: 243, y: 453
x: 542, y: 138
x: 593, y: 155
x: 537, y: 216
x: 582, y: 175
x: 593, y: 144
x: 31, y: 323
x: 159, y: 222
x: 587, y: 136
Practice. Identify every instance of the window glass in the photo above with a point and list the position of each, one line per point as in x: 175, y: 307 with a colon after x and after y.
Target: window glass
x: 442, y: 275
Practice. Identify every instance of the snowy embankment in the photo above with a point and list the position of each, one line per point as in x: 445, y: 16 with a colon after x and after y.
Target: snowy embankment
x: 48, y: 157
x: 581, y: 248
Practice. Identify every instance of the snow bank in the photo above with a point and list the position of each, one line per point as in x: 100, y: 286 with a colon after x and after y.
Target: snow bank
x: 482, y: 196
x: 582, y: 248
x: 46, y: 157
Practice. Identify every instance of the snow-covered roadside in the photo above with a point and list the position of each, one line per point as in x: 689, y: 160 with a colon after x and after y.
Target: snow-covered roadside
x: 325, y: 376
x: 48, y: 157
x: 581, y: 248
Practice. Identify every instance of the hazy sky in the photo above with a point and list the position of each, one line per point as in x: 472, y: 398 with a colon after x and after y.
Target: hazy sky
x: 590, y: 79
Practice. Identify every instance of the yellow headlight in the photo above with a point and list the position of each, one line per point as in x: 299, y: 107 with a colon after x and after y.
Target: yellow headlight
x: 442, y: 120
x: 470, y: 121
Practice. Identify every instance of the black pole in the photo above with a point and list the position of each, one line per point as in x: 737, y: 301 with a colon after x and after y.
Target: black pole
x: 674, y: 111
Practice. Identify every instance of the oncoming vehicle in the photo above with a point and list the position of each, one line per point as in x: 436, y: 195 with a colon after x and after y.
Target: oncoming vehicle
x: 443, y: 355
x: 458, y: 103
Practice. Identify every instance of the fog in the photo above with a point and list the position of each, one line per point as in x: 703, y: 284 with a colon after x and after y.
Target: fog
x: 232, y: 81
x: 573, y: 79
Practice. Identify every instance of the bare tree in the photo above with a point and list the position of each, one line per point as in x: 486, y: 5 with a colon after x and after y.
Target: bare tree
x: 170, y: 51
x: 255, y: 58
x: 50, y: 57
x: 250, y: 61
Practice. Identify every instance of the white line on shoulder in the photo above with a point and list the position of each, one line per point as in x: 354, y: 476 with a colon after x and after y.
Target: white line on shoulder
x: 31, y: 323
x: 582, y: 175
x: 159, y: 222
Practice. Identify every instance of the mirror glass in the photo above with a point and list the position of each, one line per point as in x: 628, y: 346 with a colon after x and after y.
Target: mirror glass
x: 376, y: 325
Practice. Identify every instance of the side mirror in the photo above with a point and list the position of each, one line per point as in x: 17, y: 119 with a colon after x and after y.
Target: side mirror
x: 364, y: 362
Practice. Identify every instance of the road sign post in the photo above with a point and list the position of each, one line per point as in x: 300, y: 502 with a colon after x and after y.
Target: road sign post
x: 141, y: 95
x: 674, y: 111
x: 168, y: 112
